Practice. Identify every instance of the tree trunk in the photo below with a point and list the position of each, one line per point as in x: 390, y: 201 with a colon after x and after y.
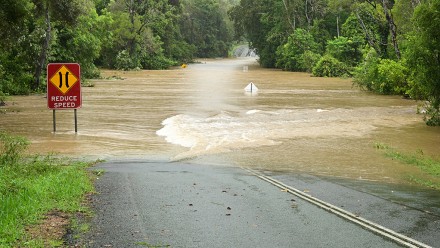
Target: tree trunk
x: 309, y: 20
x: 393, y: 28
x: 370, y: 38
x: 132, y: 41
x: 288, y: 16
x: 337, y: 24
x: 43, y: 54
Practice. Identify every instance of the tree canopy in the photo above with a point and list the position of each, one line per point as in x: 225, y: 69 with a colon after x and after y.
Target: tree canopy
x: 119, y: 34
x: 388, y: 46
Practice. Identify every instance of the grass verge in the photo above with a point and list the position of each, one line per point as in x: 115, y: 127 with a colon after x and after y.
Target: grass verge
x: 426, y: 164
x: 34, y: 189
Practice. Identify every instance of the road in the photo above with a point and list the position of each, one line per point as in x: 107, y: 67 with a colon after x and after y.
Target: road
x: 164, y: 204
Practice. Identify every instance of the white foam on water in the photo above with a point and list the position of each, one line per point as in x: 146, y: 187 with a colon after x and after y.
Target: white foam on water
x: 228, y: 131
x: 253, y: 111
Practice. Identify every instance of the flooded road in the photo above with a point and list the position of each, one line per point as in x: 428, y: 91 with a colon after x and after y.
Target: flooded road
x: 295, y: 122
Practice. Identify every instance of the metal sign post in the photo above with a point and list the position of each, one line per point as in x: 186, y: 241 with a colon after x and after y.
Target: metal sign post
x: 54, y: 122
x: 64, y: 88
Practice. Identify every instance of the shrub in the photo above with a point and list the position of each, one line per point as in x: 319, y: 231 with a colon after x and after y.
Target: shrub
x: 156, y: 62
x: 308, y: 60
x: 432, y: 115
x: 2, y: 98
x: 345, y: 50
x: 124, y: 61
x: 383, y: 76
x: 290, y: 56
x: 366, y: 74
x: 328, y: 66
x: 392, y: 77
x: 11, y: 149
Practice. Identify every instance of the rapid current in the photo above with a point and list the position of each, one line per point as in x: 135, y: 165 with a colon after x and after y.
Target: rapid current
x: 294, y: 122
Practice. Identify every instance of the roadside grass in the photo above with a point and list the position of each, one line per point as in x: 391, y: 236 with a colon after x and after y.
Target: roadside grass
x: 426, y: 164
x: 31, y: 187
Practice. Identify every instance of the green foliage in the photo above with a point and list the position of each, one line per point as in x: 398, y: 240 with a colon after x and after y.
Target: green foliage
x: 291, y: 55
x: 157, y: 62
x: 345, y: 50
x: 144, y: 35
x: 423, y: 56
x: 365, y: 74
x: 405, y: 10
x: 367, y: 22
x: 383, y: 76
x: 432, y: 114
x: 33, y: 186
x: 81, y: 43
x: 308, y: 60
x: 124, y: 61
x: 426, y: 164
x: 205, y: 25
x: 182, y: 51
x: 2, y: 98
x: 263, y: 24
x: 393, y: 77
x: 329, y: 66
x: 11, y: 149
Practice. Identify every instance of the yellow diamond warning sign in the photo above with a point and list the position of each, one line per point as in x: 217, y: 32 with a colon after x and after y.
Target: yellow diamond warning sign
x: 63, y: 79
x: 63, y: 86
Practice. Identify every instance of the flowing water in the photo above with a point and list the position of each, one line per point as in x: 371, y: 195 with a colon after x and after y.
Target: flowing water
x: 294, y: 122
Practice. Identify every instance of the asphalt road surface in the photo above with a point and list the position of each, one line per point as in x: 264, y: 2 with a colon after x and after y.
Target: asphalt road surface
x: 161, y: 204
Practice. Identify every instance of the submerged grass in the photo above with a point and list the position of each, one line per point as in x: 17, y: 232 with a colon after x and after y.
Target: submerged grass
x: 30, y: 187
x: 426, y: 164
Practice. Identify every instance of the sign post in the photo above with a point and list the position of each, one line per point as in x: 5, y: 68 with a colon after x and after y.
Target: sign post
x: 64, y: 88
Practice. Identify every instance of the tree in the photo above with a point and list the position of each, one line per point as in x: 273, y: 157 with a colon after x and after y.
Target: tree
x: 368, y: 21
x: 142, y: 32
x: 264, y: 24
x: 16, y: 61
x: 290, y: 55
x: 345, y: 50
x: 205, y: 24
x: 82, y: 42
x: 49, y: 11
x: 423, y: 58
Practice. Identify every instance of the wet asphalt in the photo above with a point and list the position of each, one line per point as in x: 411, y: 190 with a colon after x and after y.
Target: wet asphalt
x: 164, y: 204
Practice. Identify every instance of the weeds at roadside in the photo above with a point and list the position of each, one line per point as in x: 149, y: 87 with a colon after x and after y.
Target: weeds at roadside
x: 32, y: 187
x: 426, y: 164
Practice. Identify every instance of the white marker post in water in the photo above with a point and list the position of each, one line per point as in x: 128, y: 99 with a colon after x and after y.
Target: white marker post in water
x: 251, y: 88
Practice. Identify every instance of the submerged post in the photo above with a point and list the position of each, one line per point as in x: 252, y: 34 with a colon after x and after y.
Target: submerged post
x: 76, y: 121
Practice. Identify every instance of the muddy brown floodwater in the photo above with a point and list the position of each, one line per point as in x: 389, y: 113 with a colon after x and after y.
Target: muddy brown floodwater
x: 295, y: 122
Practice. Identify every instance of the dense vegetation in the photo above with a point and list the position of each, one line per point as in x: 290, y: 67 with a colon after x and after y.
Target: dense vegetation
x: 120, y: 34
x: 32, y: 186
x: 388, y: 46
